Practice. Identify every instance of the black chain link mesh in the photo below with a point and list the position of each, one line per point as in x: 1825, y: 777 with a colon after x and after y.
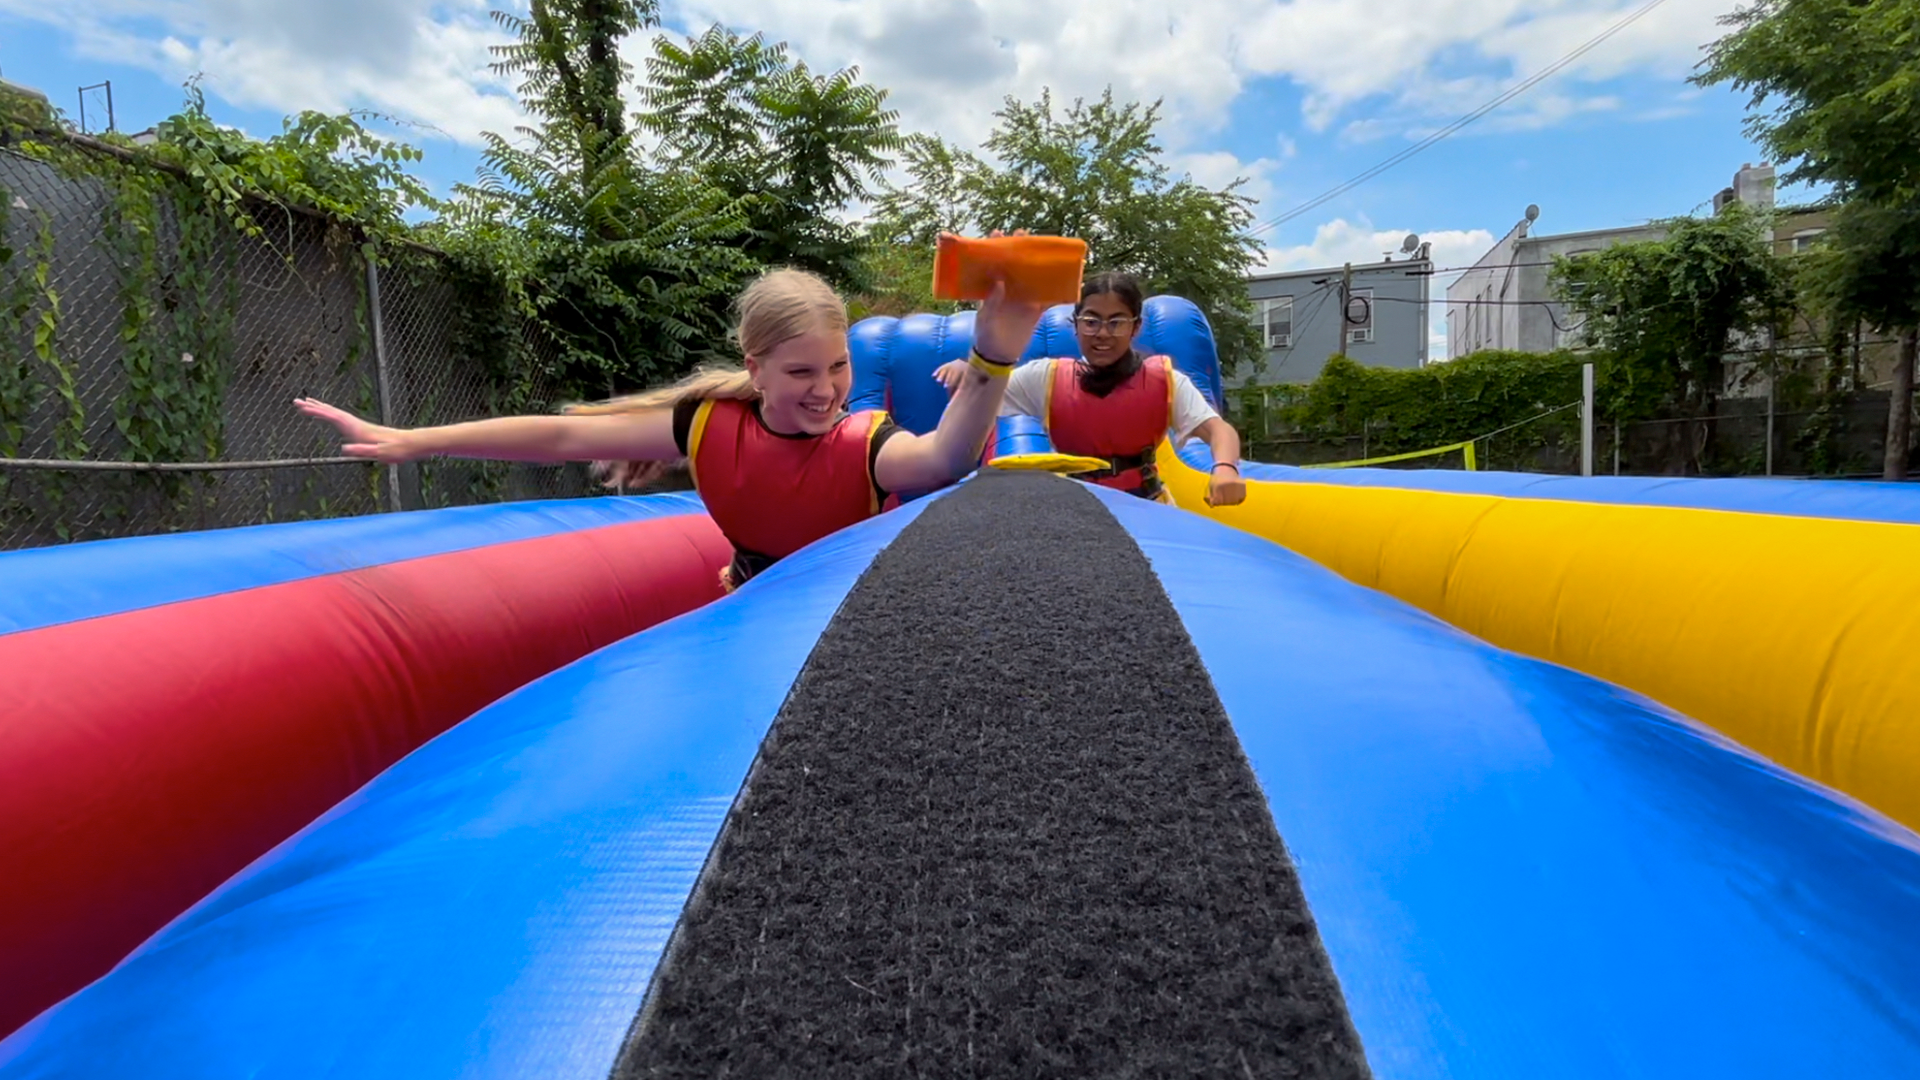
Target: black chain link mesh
x: 161, y: 337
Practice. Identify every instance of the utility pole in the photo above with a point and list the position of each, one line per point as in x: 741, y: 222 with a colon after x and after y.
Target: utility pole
x: 1586, y: 419
x: 1346, y: 300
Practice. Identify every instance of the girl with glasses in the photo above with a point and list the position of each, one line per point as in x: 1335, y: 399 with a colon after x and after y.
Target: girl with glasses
x: 1114, y: 404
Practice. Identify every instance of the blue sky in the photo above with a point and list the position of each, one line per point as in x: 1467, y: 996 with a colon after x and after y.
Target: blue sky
x: 1298, y: 96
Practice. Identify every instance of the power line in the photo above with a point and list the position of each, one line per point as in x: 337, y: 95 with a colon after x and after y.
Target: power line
x: 1462, y: 303
x: 1532, y: 81
x: 1547, y: 304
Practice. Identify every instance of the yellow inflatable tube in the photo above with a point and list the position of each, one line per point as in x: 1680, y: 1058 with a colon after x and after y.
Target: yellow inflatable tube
x: 1793, y: 636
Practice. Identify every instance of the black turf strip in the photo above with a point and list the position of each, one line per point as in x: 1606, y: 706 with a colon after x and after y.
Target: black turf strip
x: 1002, y: 827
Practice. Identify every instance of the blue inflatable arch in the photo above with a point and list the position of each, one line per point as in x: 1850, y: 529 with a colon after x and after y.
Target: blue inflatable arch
x: 894, y: 359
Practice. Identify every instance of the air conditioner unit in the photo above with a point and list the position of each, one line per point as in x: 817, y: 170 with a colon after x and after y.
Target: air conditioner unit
x: 1355, y: 336
x: 1279, y: 341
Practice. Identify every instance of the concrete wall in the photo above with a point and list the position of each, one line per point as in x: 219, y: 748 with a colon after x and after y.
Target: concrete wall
x: 1399, y: 292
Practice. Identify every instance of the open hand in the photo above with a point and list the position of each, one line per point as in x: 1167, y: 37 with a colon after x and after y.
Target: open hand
x: 360, y: 438
x: 952, y: 374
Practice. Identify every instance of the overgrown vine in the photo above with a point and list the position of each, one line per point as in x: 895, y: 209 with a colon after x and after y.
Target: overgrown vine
x: 176, y: 215
x: 20, y: 389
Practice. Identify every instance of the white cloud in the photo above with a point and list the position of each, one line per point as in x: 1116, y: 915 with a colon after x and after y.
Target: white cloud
x: 421, y: 61
x: 949, y: 63
x: 1343, y: 52
x: 1217, y: 168
x: 1341, y: 241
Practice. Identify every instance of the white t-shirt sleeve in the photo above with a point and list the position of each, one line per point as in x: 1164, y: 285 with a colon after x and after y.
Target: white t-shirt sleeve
x: 1027, y: 390
x: 1190, y: 408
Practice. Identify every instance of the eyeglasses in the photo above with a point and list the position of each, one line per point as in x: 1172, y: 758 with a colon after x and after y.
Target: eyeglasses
x: 1093, y: 324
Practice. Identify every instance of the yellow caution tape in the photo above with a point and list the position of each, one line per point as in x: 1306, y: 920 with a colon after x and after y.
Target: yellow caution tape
x: 1466, y: 448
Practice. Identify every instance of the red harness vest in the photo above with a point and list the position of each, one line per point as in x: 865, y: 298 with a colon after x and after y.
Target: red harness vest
x: 772, y: 494
x: 1124, y: 427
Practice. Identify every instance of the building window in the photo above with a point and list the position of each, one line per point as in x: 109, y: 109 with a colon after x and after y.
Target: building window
x: 1276, y: 320
x: 1360, y: 316
x: 1805, y: 238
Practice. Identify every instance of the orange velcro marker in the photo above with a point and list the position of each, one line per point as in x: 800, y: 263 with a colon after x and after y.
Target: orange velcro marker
x: 1037, y: 269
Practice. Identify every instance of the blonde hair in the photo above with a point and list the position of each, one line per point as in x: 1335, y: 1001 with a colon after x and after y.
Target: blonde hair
x: 775, y: 308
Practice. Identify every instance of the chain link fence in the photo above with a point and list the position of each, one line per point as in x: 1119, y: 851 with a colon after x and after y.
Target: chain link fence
x: 150, y: 356
x: 1843, y: 438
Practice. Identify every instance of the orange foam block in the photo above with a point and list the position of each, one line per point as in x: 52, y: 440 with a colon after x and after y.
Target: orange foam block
x: 1037, y: 269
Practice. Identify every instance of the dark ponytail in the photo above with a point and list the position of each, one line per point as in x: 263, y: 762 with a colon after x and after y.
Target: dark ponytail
x: 1103, y: 381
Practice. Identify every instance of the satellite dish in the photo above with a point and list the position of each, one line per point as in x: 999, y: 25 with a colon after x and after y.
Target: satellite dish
x: 1533, y: 212
x: 1411, y: 244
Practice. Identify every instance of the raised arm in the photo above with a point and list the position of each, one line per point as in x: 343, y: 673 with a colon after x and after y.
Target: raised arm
x: 636, y: 436
x: 1001, y: 334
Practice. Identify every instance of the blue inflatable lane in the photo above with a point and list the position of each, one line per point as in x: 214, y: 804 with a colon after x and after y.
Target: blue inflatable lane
x: 1521, y: 872
x: 1838, y: 499
x: 44, y: 586
x: 493, y: 905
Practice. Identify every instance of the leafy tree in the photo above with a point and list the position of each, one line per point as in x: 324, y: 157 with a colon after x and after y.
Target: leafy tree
x: 899, y: 280
x: 1665, y: 313
x: 628, y: 266
x: 794, y: 146
x: 1094, y: 171
x: 1863, y: 270
x: 1835, y: 88
x: 898, y: 276
x: 1833, y: 85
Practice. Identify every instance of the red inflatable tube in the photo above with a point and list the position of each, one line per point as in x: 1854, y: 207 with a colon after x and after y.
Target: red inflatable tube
x: 147, y: 757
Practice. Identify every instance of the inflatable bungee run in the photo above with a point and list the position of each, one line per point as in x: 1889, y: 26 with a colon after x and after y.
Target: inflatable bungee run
x: 1380, y: 773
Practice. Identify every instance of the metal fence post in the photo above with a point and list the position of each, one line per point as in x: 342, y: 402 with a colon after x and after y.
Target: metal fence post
x: 380, y: 373
x: 1769, y: 424
x: 1586, y: 419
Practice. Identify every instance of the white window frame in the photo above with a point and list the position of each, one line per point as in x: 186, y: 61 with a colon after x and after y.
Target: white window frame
x: 1804, y: 239
x: 1267, y: 306
x: 1362, y: 334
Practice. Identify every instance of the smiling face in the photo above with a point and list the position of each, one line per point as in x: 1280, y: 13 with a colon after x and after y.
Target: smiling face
x: 804, y: 382
x: 1105, y: 325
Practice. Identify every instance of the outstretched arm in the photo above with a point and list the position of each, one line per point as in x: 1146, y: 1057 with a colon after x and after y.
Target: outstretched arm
x: 924, y: 462
x: 635, y: 436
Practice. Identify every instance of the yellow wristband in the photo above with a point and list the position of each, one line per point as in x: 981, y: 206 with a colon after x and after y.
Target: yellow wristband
x: 989, y: 368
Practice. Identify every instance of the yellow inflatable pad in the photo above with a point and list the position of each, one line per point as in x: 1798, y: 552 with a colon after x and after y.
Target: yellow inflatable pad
x: 1064, y: 464
x: 1792, y: 636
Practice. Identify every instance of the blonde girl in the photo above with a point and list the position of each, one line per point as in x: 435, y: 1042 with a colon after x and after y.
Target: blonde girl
x: 775, y: 456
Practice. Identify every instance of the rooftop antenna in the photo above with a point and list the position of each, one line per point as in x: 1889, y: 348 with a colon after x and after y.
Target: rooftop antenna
x: 1526, y: 223
x: 108, y: 87
x: 1411, y: 244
